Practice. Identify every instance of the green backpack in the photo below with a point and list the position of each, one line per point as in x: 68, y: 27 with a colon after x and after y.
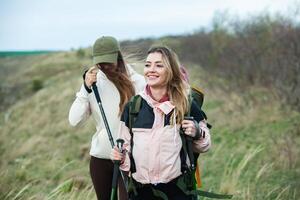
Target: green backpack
x: 187, y: 182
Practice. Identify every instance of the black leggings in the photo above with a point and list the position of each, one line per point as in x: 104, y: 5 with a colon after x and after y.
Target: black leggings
x: 101, y: 171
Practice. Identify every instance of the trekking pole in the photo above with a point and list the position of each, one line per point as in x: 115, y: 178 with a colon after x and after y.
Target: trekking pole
x: 120, y: 143
x: 95, y: 89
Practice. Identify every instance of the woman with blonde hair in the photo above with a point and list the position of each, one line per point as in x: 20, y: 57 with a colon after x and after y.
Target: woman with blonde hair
x: 117, y: 83
x: 153, y: 139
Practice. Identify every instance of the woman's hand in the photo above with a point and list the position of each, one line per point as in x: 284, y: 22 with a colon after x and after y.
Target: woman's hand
x: 91, y: 76
x: 116, y: 155
x: 189, y: 127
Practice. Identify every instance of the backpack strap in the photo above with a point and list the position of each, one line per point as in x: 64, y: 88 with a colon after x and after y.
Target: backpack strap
x: 134, y: 109
x: 183, y: 154
x: 187, y: 147
x: 197, y: 95
x: 181, y: 183
x: 190, y: 101
x: 188, y: 141
x: 183, y: 187
x: 187, y: 151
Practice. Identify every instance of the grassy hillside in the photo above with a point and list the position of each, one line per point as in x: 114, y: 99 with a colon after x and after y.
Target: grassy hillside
x: 255, y: 140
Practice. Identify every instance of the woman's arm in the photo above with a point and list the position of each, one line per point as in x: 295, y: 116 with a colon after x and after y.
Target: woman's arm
x: 80, y: 109
x: 203, y: 143
x: 123, y: 133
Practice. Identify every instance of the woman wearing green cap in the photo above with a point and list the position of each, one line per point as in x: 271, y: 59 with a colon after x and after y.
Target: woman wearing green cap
x: 116, y: 83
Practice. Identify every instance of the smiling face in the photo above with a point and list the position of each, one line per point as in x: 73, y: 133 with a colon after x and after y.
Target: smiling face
x: 155, y: 71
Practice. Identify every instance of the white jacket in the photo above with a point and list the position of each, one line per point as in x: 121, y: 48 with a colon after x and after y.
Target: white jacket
x: 85, y: 105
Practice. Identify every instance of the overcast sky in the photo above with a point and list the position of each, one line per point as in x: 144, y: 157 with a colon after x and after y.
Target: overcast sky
x: 65, y: 24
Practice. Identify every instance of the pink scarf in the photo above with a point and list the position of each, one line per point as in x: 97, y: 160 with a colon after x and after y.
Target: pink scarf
x: 160, y: 108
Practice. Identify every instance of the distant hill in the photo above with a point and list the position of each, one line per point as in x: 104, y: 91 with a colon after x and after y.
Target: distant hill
x: 23, y: 53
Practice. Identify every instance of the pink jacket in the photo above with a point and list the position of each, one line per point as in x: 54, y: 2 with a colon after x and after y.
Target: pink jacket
x: 156, y: 151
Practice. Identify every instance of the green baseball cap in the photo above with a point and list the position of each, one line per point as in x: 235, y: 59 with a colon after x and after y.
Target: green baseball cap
x: 105, y: 50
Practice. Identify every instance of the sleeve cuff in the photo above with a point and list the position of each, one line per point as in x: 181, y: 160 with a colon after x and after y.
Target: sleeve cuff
x: 83, y: 93
x: 89, y: 90
x: 125, y: 166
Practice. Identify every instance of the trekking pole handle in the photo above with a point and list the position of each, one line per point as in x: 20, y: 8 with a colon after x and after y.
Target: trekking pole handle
x: 199, y: 132
x: 189, y: 141
x: 191, y: 119
x: 120, y: 143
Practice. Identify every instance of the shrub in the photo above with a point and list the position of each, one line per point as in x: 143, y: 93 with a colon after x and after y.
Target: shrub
x: 37, y: 84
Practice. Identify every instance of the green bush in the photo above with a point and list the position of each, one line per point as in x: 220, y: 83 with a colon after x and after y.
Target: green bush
x: 37, y: 84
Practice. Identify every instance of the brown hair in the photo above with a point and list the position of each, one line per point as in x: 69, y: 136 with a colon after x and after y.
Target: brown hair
x: 177, y: 88
x: 120, y: 78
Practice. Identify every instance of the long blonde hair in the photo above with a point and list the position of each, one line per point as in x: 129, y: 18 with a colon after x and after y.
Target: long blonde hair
x: 120, y: 78
x: 176, y: 86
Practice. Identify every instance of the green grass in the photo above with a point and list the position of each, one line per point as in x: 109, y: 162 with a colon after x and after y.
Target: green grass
x: 255, y: 141
x: 255, y: 149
